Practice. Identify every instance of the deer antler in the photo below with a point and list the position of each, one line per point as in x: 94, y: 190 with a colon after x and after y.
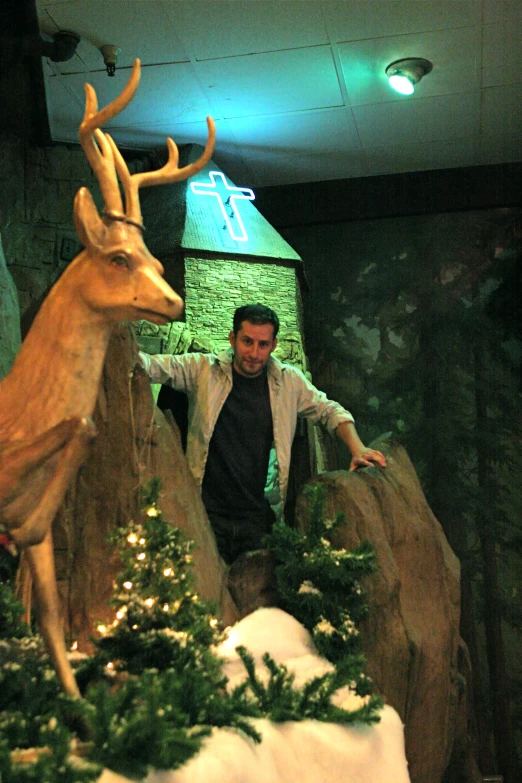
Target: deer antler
x: 106, y: 159
x: 98, y: 151
x: 170, y: 172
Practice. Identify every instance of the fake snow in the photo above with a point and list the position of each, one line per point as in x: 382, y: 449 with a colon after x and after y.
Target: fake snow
x: 309, y: 751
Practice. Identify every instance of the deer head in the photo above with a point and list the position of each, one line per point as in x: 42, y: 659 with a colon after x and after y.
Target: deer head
x: 120, y: 277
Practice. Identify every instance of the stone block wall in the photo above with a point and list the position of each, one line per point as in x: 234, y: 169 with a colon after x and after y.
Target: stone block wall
x: 37, y: 189
x: 215, y: 287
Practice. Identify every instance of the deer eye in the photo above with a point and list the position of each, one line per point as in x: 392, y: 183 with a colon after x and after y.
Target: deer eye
x: 120, y: 260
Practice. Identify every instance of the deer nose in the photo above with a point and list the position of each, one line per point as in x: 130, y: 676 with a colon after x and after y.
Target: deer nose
x: 176, y: 303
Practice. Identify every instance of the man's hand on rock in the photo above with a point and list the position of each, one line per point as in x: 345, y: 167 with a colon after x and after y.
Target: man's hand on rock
x: 367, y: 458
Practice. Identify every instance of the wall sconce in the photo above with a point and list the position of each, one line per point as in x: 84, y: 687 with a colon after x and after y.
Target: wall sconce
x: 110, y: 57
x: 403, y: 75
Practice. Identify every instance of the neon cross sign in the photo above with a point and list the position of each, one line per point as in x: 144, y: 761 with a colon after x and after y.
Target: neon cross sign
x: 235, y: 194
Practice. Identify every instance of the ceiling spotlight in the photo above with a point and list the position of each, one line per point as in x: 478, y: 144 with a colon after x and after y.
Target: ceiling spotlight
x: 110, y: 57
x: 403, y: 75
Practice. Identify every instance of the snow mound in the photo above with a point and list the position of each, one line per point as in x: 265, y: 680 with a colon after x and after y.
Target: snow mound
x: 308, y: 751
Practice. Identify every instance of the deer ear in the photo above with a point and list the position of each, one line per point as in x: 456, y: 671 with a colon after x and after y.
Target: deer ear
x: 87, y: 221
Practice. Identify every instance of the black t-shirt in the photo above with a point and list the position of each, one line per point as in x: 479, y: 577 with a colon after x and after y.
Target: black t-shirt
x: 239, y: 450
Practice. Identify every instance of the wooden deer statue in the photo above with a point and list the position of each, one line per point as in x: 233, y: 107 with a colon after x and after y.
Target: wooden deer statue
x: 48, y: 397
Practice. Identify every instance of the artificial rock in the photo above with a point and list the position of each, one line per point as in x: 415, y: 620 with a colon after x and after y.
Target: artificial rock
x: 411, y: 637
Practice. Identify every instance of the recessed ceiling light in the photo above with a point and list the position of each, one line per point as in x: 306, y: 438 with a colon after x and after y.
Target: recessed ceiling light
x: 404, y: 74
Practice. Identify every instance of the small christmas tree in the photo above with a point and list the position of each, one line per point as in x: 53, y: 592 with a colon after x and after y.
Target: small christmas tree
x: 160, y: 621
x: 170, y: 690
x: 321, y: 587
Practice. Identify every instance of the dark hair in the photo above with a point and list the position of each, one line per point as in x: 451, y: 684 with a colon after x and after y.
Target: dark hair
x: 255, y: 314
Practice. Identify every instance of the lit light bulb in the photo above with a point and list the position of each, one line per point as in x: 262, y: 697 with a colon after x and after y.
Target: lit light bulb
x: 127, y: 585
x: 168, y: 572
x: 149, y: 602
x: 74, y: 646
x: 403, y: 75
x: 132, y: 538
x: 102, y: 629
x: 141, y: 556
x: 166, y: 607
x: 401, y: 83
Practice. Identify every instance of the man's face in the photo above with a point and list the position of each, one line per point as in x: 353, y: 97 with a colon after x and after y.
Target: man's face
x: 252, y: 346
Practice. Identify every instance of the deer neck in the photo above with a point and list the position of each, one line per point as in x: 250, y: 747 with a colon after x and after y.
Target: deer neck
x: 57, y: 371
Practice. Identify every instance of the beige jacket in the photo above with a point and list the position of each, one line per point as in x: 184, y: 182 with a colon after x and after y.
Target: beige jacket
x: 207, y: 381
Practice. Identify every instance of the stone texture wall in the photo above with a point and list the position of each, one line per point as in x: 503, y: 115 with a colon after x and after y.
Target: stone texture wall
x: 37, y: 189
x: 215, y: 287
x: 10, y: 337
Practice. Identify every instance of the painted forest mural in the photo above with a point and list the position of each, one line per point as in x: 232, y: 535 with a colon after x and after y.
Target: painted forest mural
x: 414, y: 325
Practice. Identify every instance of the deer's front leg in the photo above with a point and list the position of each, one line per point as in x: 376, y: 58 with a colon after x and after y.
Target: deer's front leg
x: 19, y: 458
x: 79, y: 433
x: 41, y: 564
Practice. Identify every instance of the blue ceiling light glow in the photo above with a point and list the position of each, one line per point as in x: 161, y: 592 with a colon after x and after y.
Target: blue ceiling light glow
x: 234, y: 195
x: 403, y: 75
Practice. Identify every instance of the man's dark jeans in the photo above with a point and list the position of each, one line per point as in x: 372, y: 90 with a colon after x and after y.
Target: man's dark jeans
x: 236, y: 535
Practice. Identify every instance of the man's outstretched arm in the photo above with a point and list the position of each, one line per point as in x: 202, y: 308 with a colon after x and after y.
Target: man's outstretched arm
x: 362, y: 456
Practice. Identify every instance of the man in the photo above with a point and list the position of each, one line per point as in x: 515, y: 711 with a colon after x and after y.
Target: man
x: 241, y: 402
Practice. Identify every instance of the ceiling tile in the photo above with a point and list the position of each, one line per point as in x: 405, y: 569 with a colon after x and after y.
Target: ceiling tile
x: 272, y: 83
x: 213, y: 30
x: 502, y: 110
x: 454, y: 54
x: 49, y: 68
x: 328, y: 130
x: 148, y: 136
x: 500, y: 149
x: 502, y: 55
x: 168, y: 94
x: 140, y: 28
x: 498, y: 11
x: 381, y: 18
x: 442, y: 117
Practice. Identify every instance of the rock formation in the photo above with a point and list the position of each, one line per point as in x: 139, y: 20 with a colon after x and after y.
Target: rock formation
x: 411, y: 637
